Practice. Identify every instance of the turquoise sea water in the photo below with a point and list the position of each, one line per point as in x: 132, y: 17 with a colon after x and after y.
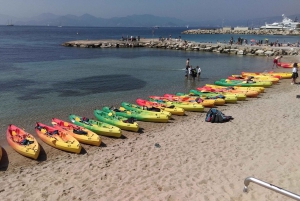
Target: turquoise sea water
x: 41, y: 79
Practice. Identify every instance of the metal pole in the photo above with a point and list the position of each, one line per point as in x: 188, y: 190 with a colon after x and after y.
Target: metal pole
x: 269, y: 186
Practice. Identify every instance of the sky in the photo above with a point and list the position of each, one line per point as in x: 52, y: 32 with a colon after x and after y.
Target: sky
x: 189, y: 10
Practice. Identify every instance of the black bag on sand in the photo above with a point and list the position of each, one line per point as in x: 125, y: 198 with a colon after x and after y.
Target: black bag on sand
x: 216, y: 116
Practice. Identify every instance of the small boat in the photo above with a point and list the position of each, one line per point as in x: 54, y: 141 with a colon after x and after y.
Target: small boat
x: 220, y: 100
x: 283, y: 75
x: 190, y: 99
x: 187, y: 106
x: 113, y: 119
x: 130, y: 106
x: 172, y: 109
x: 260, y: 75
x: 249, y: 93
x: 287, y: 65
x: 258, y: 89
x: 22, y: 142
x: 57, y: 138
x: 228, y: 98
x: 81, y: 134
x: 239, y: 96
x: 98, y: 127
x: 224, y: 82
x: 138, y: 115
x: 257, y: 78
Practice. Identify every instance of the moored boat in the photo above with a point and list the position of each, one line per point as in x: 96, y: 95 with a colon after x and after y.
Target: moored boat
x: 172, y: 109
x: 57, y: 138
x: 121, y: 122
x: 22, y: 142
x: 138, y: 115
x: 219, y: 100
x: 130, y: 106
x: 190, y: 99
x: 224, y: 82
x: 227, y: 98
x: 249, y: 93
x: 81, y: 134
x: 258, y: 89
x: 187, y: 106
x: 98, y: 127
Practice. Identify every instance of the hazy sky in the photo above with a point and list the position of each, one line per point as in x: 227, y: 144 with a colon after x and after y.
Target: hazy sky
x: 181, y: 9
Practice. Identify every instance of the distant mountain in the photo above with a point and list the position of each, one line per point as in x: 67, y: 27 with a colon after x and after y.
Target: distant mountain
x: 87, y: 20
x: 92, y: 21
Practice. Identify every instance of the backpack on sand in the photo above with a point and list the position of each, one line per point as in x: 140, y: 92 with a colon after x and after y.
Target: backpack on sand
x: 216, y: 116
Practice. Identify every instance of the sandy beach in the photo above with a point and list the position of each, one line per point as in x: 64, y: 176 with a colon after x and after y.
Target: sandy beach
x: 185, y: 159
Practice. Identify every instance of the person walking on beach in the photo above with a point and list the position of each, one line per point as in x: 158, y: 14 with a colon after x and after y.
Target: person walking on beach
x: 198, y: 69
x: 276, y: 60
x: 295, y: 73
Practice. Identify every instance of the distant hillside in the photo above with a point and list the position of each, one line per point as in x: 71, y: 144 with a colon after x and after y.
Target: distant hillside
x: 92, y: 21
x: 87, y: 20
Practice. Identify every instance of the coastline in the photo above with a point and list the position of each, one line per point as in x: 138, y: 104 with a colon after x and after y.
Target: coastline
x: 195, y: 160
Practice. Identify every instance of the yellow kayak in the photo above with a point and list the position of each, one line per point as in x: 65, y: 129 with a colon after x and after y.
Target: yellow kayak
x: 172, y: 109
x: 187, y: 106
x: 22, y: 142
x: 258, y: 89
x: 58, y: 139
x: 81, y: 134
x: 256, y: 78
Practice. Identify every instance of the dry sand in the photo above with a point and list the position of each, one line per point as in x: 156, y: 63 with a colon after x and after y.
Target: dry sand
x: 196, y: 160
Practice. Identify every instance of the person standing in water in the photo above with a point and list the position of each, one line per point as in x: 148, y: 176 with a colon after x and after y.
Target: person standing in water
x: 276, y: 61
x: 198, y: 72
x: 187, y: 66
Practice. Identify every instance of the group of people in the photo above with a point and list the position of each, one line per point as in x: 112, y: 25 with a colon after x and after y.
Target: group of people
x: 190, y: 72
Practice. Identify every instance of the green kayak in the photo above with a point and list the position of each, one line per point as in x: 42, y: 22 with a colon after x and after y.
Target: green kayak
x: 121, y: 122
x: 129, y: 106
x: 138, y: 115
x: 225, y: 82
x: 228, y: 98
x: 96, y: 126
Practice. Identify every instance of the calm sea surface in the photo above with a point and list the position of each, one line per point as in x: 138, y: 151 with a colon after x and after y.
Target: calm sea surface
x: 41, y: 79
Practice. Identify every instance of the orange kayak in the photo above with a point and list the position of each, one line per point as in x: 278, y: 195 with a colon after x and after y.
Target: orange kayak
x: 22, y: 142
x: 79, y: 133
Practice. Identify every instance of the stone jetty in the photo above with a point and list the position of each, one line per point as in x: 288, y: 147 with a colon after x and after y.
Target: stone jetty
x: 177, y: 44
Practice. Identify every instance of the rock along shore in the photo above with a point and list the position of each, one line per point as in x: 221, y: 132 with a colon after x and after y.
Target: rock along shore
x: 177, y: 44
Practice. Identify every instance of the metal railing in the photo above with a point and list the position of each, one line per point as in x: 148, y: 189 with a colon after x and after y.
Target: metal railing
x: 269, y: 186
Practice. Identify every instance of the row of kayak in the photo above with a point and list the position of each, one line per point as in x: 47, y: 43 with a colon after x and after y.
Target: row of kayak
x: 111, y: 121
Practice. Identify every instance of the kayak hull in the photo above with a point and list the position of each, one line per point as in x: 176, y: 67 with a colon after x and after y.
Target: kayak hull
x: 58, y: 139
x: 16, y: 135
x: 116, y: 121
x: 89, y: 137
x: 98, y: 127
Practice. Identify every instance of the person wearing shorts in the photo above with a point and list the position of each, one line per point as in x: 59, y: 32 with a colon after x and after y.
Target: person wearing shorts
x: 276, y: 60
x: 295, y: 73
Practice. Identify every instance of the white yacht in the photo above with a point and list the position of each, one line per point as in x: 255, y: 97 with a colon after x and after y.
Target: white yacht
x: 286, y: 23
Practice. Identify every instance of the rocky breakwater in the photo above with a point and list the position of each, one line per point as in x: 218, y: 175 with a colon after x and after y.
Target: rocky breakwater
x: 250, y: 31
x: 250, y: 50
